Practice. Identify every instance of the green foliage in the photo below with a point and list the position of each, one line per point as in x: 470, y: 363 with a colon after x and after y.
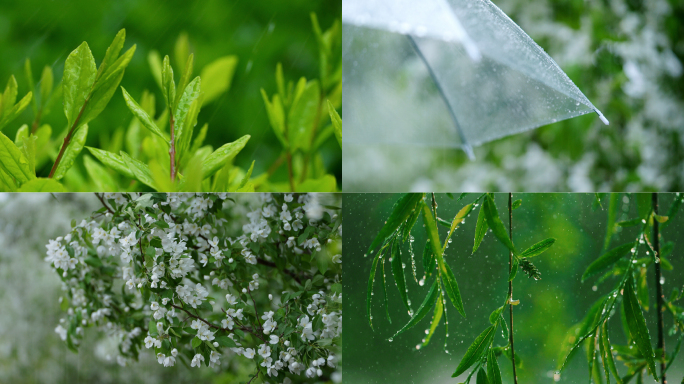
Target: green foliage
x: 161, y: 150
x: 625, y: 264
x: 397, y: 230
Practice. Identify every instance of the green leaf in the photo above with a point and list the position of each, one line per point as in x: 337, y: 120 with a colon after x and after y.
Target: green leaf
x: 424, y: 308
x: 401, y: 211
x: 142, y: 116
x: 139, y: 169
x: 47, y: 82
x: 452, y: 290
x: 327, y: 183
x: 105, y: 88
x: 18, y: 108
x: 428, y: 259
x: 302, y: 116
x: 516, y: 204
x: 384, y: 291
x: 482, y: 377
x: 494, y: 316
x: 190, y: 94
x: 629, y: 223
x: 538, y: 248
x: 398, y: 272
x: 168, y: 84
x: 217, y: 77
x: 42, y: 185
x: 79, y: 75
x: 276, y: 116
x: 514, y: 269
x: 495, y: 223
x: 476, y: 350
x: 196, y: 342
x: 113, y: 161
x: 661, y: 219
x: 493, y: 372
x: 99, y: 175
x: 112, y: 53
x: 607, y: 259
x: 75, y: 147
x: 369, y: 293
x: 607, y: 355
x: 480, y: 229
x: 217, y: 159
x: 336, y: 122
x: 436, y: 317
x: 183, y: 142
x: 410, y: 223
x: 226, y: 342
x: 152, y: 327
x: 456, y: 222
x: 644, y: 204
x: 637, y: 325
x: 247, y: 176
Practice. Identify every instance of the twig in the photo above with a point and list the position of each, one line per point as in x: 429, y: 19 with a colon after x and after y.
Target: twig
x: 289, y: 171
x: 510, y: 282
x: 67, y: 139
x: 255, y: 376
x: 103, y: 202
x: 659, y: 287
x: 246, y: 329
x: 276, y: 164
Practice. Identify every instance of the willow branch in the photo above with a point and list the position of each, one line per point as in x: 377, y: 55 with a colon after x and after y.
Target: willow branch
x: 659, y: 288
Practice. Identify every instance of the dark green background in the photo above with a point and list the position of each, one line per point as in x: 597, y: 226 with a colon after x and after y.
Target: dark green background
x: 548, y: 307
x: 47, y: 31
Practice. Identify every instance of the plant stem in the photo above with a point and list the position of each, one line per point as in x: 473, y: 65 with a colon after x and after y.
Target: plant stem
x: 276, y: 164
x: 659, y: 287
x: 510, y: 282
x: 172, y: 150
x: 289, y: 170
x: 36, y: 121
x: 67, y: 139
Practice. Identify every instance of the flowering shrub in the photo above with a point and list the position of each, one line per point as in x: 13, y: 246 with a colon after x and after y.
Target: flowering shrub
x: 202, y: 278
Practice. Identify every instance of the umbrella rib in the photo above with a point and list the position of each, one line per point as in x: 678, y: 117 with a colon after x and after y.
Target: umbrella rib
x: 466, y: 145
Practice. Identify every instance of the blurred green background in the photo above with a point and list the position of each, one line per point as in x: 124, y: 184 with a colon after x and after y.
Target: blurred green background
x: 261, y: 33
x: 626, y: 56
x: 547, y: 309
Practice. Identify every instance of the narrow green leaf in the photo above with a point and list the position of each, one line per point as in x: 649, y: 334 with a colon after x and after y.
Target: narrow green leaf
x: 9, y: 96
x: 196, y: 342
x: 612, y: 214
x: 189, y: 123
x: 643, y: 204
x: 142, y: 116
x: 607, y: 355
x: 494, y: 316
x: 493, y: 372
x: 99, y: 175
x: 190, y: 94
x: 139, y: 169
x: 384, y: 291
x: 637, y: 325
x: 168, y: 84
x: 642, y: 288
x: 452, y: 290
x: 217, y: 77
x: 482, y: 377
x: 217, y: 159
x: 112, y: 53
x: 42, y: 185
x: 514, y: 269
x: 336, y: 122
x: 46, y: 85
x: 436, y: 318
x: 424, y: 308
x: 495, y: 223
x: 79, y: 75
x: 156, y: 67
x: 113, y: 161
x: 247, y: 176
x: 629, y: 223
x: 480, y: 228
x: 401, y: 211
x: 398, y: 272
x: 661, y: 219
x: 538, y: 248
x: 72, y: 151
x: 369, y: 293
x: 607, y: 259
x: 458, y: 219
x: 28, y: 73
x: 17, y: 109
x: 301, y: 119
x: 413, y: 218
x: 476, y: 350
x: 428, y: 259
x: 276, y: 116
x: 516, y: 204
x: 187, y: 68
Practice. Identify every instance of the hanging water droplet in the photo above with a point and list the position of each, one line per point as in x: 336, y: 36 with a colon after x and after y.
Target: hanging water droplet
x: 594, y: 288
x: 391, y: 339
x: 418, y: 347
x: 427, y: 331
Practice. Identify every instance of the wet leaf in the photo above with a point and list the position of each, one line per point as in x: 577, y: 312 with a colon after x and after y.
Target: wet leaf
x: 424, y: 308
x: 140, y: 170
x: 401, y: 211
x: 607, y: 354
x: 42, y: 185
x: 493, y: 372
x: 458, y: 219
x: 99, y: 175
x: 607, y: 259
x: 336, y: 122
x: 168, y: 83
x: 190, y: 94
x: 476, y: 350
x: 452, y: 290
x: 142, y: 116
x: 482, y: 377
x: 217, y: 159
x: 398, y: 272
x: 436, y: 318
x: 79, y: 75
x: 480, y: 228
x: 384, y: 291
x: 112, y: 160
x: 13, y: 162
x: 538, y: 248
x: 302, y: 117
x: 637, y: 325
x: 495, y: 223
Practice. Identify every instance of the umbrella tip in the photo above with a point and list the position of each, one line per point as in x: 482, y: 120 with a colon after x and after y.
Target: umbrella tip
x: 603, y: 118
x: 469, y: 151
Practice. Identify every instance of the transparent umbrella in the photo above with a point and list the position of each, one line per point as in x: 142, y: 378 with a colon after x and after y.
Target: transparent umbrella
x: 449, y: 73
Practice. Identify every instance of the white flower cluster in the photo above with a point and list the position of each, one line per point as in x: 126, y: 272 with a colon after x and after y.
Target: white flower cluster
x: 175, y: 253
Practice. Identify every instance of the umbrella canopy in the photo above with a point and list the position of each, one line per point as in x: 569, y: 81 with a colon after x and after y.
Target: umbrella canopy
x: 451, y: 73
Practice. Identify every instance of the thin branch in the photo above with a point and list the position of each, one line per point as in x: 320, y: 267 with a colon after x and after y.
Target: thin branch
x: 100, y: 196
x: 246, y: 329
x: 289, y: 171
x: 67, y: 139
x: 273, y: 265
x: 659, y: 288
x: 276, y: 164
x: 510, y: 283
x: 255, y: 376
